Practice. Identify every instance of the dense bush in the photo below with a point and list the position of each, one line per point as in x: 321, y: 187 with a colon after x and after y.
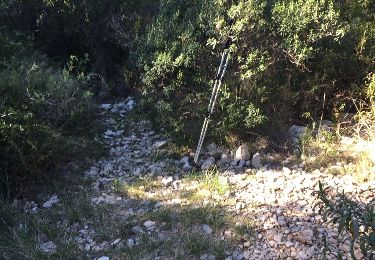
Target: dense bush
x: 175, y: 64
x: 102, y: 30
x: 287, y: 56
x: 45, y: 115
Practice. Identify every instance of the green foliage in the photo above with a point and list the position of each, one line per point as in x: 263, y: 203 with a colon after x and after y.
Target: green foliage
x: 178, y: 68
x: 45, y: 115
x: 354, y: 218
x: 169, y: 56
x: 286, y: 56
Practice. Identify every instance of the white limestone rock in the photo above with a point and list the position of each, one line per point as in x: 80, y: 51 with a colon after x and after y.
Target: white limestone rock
x: 208, y: 163
x: 48, y: 248
x: 242, y: 153
x: 207, y: 229
x: 256, y: 161
x: 52, y: 201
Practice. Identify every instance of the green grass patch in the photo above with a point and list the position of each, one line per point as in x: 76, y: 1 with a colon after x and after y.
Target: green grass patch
x: 197, y: 243
x: 210, y: 180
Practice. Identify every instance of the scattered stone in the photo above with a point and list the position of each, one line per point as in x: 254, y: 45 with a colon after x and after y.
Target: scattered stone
x: 286, y: 171
x: 160, y: 144
x: 305, y: 236
x: 242, y: 153
x: 107, y: 199
x: 214, y: 151
x: 149, y: 224
x: 311, y: 251
x: 167, y: 180
x: 240, y: 205
x: 96, y: 248
x: 256, y: 161
x: 118, y: 240
x: 225, y: 158
x: 279, y: 199
x: 296, y: 132
x: 234, y: 163
x: 212, y: 147
x: 302, y: 255
x: 187, y: 167
x: 48, y: 248
x: 30, y: 207
x: 207, y: 229
x: 184, y: 160
x: 138, y: 171
x: 137, y: 230
x: 130, y: 104
x: 52, y: 201
x: 130, y: 243
x: 105, y: 106
x: 241, y: 164
x: 159, y: 204
x: 208, y: 163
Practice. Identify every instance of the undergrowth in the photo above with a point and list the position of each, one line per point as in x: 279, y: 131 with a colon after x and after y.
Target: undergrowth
x: 47, y: 117
x: 347, y: 147
x: 356, y: 221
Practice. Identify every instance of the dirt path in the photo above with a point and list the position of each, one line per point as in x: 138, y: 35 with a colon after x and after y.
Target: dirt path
x: 238, y: 214
x: 139, y: 203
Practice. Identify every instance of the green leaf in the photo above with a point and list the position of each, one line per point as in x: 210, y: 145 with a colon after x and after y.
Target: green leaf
x: 354, y: 228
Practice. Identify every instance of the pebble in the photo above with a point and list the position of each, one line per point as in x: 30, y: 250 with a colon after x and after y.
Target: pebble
x: 48, y: 247
x: 118, y: 240
x: 130, y: 243
x: 149, y: 224
x: 280, y: 201
x: 208, y: 163
x: 52, y: 201
x: 256, y: 161
x: 167, y: 180
x: 304, y: 236
x: 137, y: 230
x: 242, y: 153
x: 187, y: 167
x: 207, y: 229
x: 160, y: 144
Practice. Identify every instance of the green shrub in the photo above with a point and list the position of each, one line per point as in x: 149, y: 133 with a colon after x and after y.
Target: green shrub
x: 352, y: 217
x: 178, y: 68
x: 288, y: 58
x: 45, y: 117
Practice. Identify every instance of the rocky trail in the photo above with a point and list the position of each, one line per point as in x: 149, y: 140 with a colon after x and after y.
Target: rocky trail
x: 145, y: 204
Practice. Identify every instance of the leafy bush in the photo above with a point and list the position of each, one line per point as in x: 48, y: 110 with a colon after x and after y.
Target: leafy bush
x: 103, y: 29
x: 178, y: 68
x: 354, y: 218
x: 289, y: 57
x: 45, y: 115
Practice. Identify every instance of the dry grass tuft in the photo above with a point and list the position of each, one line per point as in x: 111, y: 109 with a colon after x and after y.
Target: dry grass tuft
x: 349, y: 149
